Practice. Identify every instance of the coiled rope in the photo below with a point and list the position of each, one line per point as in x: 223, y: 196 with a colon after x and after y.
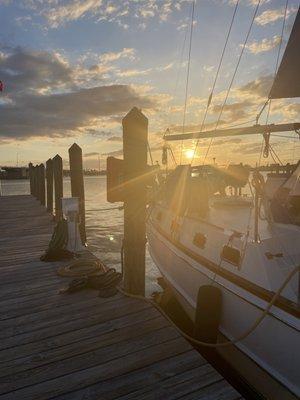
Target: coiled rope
x: 81, y: 268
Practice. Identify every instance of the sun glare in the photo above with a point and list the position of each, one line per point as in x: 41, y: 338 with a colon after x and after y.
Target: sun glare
x: 189, y: 154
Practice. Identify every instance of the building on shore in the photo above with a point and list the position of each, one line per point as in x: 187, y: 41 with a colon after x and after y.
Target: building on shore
x: 14, y: 173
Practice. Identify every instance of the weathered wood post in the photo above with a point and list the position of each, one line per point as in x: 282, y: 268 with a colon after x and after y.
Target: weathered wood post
x: 34, y: 181
x: 77, y: 185
x: 49, y: 178
x: 42, y: 188
x: 135, y: 139
x: 30, y: 166
x: 38, y: 182
x: 36, y: 178
x: 58, y: 185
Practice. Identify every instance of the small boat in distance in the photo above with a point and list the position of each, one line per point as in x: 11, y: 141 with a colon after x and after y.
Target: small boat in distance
x: 238, y: 232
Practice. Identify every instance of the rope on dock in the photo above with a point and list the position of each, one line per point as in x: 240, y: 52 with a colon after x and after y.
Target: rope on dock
x: 81, y: 267
x: 90, y: 273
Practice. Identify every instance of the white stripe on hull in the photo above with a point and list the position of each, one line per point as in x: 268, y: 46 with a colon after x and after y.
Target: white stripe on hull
x: 274, y: 345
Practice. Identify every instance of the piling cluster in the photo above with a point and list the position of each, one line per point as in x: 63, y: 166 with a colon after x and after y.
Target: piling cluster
x: 46, y: 184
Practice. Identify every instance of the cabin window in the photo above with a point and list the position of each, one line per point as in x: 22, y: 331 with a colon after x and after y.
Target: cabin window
x: 199, y: 240
x: 231, y: 255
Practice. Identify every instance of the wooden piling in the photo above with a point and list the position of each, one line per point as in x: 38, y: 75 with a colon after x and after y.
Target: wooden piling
x: 77, y: 185
x: 30, y: 166
x: 34, y: 181
x: 38, y: 184
x: 58, y: 185
x: 135, y: 139
x: 49, y: 178
x: 42, y: 188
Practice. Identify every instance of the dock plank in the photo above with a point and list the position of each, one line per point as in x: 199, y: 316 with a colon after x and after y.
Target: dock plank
x: 62, y: 346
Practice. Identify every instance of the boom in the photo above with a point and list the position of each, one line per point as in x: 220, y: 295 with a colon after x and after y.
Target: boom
x: 250, y: 130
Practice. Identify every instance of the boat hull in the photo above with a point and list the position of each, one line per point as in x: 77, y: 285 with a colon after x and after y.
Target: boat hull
x: 269, y: 345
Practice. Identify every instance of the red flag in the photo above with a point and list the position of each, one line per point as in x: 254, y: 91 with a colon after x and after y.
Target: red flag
x: 1, y: 86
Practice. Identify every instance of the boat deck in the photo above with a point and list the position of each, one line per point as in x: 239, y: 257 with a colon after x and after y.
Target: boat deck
x: 79, y: 346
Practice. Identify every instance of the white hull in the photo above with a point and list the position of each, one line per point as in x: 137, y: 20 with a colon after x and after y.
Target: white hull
x: 274, y: 345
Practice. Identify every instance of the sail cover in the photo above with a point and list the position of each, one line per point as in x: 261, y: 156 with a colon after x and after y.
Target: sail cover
x: 287, y: 80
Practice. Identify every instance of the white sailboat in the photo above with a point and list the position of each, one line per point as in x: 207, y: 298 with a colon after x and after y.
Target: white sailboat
x: 203, y: 234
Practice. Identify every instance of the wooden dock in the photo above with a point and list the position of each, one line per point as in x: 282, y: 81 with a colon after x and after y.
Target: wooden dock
x: 79, y: 346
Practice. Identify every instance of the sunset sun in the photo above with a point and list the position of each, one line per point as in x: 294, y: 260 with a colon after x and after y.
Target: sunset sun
x: 189, y: 154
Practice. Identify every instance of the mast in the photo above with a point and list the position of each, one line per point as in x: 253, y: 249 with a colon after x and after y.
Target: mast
x: 249, y: 130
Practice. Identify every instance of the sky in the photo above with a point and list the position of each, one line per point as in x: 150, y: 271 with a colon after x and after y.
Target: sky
x: 72, y: 69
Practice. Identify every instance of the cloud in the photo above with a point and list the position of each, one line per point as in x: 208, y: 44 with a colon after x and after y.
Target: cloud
x: 113, y: 56
x: 114, y: 139
x: 92, y: 154
x: 259, y: 87
x: 264, y: 45
x: 43, y: 98
x: 137, y: 72
x: 59, y: 13
x: 114, y: 153
x: 234, y: 111
x: 272, y: 15
x: 59, y: 115
x: 27, y: 71
x: 208, y: 68
x: 127, y: 73
x: 166, y: 67
x: 249, y: 148
x: 73, y: 10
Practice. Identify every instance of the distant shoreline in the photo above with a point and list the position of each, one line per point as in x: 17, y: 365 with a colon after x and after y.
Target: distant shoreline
x: 22, y: 173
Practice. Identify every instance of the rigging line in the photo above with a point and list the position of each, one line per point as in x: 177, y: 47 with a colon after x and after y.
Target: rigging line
x: 217, y: 75
x: 150, y: 153
x: 233, y: 76
x: 269, y: 101
x: 261, y: 151
x: 178, y: 69
x: 178, y: 73
x: 294, y: 145
x: 275, y: 154
x: 172, y: 155
x: 188, y: 74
